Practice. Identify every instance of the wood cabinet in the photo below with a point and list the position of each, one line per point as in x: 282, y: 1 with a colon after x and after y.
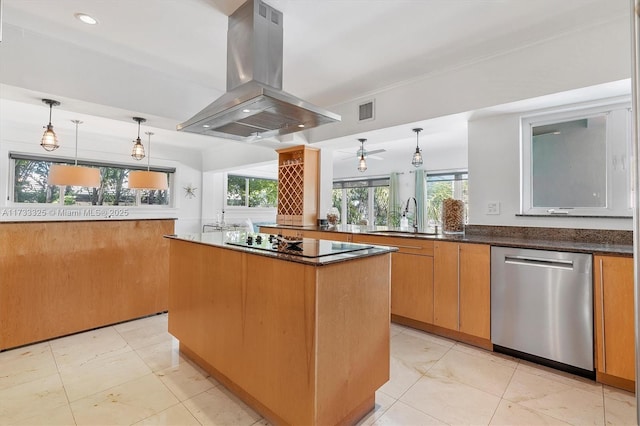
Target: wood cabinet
x: 614, y: 321
x: 301, y: 344
x: 60, y: 278
x: 411, y: 276
x: 298, y: 182
x: 462, y: 288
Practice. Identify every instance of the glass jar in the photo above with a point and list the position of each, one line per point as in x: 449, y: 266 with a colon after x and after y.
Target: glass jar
x: 452, y: 216
x: 333, y: 216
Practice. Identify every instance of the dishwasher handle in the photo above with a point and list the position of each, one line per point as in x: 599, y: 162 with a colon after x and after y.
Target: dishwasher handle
x: 540, y: 262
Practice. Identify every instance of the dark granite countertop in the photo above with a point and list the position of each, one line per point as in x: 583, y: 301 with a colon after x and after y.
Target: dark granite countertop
x: 228, y: 239
x: 560, y: 239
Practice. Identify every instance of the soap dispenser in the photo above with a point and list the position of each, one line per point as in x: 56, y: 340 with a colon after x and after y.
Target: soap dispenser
x: 404, y: 222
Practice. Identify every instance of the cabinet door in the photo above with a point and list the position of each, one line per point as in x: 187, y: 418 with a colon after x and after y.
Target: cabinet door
x: 613, y: 279
x: 475, y: 290
x: 445, y: 285
x: 412, y: 286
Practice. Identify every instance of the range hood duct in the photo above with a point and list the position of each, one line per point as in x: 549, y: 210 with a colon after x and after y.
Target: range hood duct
x: 255, y: 106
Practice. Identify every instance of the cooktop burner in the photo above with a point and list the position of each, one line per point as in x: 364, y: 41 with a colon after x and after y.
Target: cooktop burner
x: 304, y: 247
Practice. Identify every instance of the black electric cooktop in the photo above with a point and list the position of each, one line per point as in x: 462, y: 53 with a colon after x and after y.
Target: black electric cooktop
x: 303, y: 247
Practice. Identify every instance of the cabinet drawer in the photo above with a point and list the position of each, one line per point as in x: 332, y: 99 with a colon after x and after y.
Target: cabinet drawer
x: 417, y: 246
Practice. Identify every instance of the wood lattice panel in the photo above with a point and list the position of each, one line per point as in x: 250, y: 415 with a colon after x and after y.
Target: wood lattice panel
x: 291, y: 189
x: 298, y: 169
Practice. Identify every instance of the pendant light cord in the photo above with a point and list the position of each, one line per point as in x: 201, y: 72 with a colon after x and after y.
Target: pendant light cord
x: 50, y: 111
x: 149, y: 153
x: 77, y: 122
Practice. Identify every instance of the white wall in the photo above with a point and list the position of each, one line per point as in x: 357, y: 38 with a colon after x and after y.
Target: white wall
x: 595, y: 55
x: 114, y: 146
x: 494, y: 176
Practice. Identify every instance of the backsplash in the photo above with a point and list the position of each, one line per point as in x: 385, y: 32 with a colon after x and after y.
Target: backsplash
x: 597, y: 236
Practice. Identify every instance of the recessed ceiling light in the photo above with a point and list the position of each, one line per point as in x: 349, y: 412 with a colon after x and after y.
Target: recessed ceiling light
x: 90, y: 20
x: 246, y: 110
x: 300, y: 125
x: 206, y: 126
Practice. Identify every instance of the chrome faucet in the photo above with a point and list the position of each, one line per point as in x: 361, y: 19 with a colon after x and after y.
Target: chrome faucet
x: 415, y: 212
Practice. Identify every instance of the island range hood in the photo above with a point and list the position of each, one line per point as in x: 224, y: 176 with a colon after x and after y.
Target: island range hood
x: 255, y: 106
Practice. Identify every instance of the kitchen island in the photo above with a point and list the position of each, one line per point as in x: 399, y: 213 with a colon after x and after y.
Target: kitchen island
x: 298, y: 331
x: 64, y: 277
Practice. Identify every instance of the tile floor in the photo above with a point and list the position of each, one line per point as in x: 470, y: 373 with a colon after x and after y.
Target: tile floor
x: 132, y: 373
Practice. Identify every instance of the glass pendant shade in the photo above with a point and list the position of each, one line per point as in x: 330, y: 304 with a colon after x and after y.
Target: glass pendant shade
x: 49, y: 139
x: 138, y: 150
x: 417, y: 156
x: 362, y: 163
x: 66, y: 175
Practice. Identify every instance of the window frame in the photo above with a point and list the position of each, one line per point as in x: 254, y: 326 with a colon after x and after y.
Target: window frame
x: 618, y: 151
x: 246, y: 197
x: 371, y: 183
x: 459, y: 175
x: 14, y: 155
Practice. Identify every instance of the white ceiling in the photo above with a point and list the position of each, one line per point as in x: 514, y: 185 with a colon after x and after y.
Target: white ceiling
x: 334, y: 50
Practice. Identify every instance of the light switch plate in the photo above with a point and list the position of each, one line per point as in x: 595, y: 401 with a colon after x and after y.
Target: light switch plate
x: 493, y: 207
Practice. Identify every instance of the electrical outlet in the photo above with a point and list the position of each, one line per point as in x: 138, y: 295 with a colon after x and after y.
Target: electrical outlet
x: 493, y: 207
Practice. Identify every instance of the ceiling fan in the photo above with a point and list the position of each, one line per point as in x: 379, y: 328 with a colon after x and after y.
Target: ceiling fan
x: 347, y: 155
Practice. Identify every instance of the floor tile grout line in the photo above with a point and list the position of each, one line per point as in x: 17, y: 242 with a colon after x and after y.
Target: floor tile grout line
x: 604, y: 408
x: 423, y: 375
x: 64, y: 388
x: 155, y: 414
x: 513, y: 373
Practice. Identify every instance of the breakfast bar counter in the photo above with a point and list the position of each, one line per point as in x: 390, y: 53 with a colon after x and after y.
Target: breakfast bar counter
x: 298, y: 330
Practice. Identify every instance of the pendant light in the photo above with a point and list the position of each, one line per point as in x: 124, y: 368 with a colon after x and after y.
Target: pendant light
x: 138, y: 148
x: 49, y: 139
x: 417, y: 156
x: 146, y: 179
x: 362, y: 163
x: 65, y: 175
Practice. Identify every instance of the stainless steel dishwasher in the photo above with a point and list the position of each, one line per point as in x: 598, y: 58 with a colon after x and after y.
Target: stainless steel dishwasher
x: 542, y: 307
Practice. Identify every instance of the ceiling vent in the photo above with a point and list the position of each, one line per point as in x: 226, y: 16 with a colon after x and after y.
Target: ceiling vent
x: 366, y: 111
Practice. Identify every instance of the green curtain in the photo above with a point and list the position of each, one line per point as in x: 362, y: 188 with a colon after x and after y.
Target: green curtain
x: 394, y: 212
x: 421, y: 198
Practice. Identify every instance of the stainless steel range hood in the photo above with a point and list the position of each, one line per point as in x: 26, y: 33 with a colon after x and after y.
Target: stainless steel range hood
x: 255, y: 105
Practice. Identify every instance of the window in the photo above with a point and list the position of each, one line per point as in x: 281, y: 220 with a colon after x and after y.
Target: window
x: 246, y: 191
x: 441, y: 186
x: 362, y: 200
x: 30, y: 185
x: 577, y: 162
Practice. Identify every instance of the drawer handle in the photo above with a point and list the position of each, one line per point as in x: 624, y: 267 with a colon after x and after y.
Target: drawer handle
x: 534, y: 261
